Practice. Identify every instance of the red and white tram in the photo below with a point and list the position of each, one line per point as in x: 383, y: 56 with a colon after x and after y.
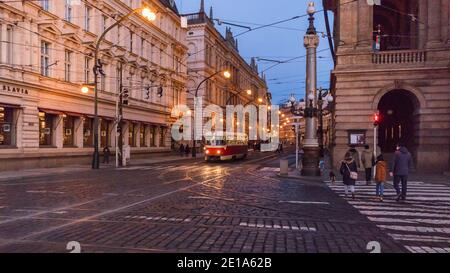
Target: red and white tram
x: 220, y: 146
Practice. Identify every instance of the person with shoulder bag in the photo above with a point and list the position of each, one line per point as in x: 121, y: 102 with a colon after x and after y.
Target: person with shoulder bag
x: 349, y: 171
x: 380, y: 176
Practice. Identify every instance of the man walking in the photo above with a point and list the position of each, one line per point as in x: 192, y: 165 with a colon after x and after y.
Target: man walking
x: 367, y: 162
x: 401, y: 166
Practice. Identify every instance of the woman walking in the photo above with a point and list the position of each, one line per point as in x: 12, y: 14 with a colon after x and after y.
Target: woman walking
x: 349, y: 171
x: 380, y: 176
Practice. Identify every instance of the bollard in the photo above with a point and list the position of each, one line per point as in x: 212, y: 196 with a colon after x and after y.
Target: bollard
x: 284, y: 166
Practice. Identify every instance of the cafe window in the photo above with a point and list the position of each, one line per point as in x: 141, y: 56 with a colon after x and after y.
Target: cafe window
x: 142, y: 132
x: 46, y: 129
x: 132, y: 135
x: 68, y: 130
x: 152, y: 136
x: 104, y: 133
x: 7, y: 127
x: 88, y: 132
x: 162, y: 137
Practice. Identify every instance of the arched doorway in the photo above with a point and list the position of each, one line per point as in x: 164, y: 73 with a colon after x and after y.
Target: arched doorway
x: 399, y: 110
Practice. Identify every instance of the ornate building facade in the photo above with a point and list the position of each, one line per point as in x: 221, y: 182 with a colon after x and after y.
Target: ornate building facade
x: 209, y: 53
x: 47, y: 55
x: 393, y: 59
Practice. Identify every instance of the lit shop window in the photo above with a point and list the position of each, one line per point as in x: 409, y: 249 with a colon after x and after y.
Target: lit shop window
x: 7, y: 127
x: 142, y: 132
x: 68, y: 130
x: 45, y: 129
x: 153, y: 136
x: 132, y: 135
x: 104, y: 133
x: 88, y: 139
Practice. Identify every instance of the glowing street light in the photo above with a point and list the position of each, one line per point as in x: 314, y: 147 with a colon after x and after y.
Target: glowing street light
x: 84, y: 89
x: 148, y: 14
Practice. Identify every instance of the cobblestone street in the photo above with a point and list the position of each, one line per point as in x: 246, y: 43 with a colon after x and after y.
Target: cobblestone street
x: 183, y: 207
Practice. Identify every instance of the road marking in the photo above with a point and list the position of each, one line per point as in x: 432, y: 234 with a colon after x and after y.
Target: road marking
x: 284, y: 227
x: 165, y: 219
x: 268, y: 169
x: 44, y: 191
x: 305, y: 202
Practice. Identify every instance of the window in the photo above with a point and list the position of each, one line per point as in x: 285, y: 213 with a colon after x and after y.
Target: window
x: 132, y: 135
x: 119, y: 41
x: 45, y: 129
x: 9, y: 45
x: 152, y: 46
x: 68, y: 130
x: 142, y: 132
x: 142, y: 53
x: 131, y: 41
x: 45, y: 4
x: 104, y: 22
x: 67, y: 65
x: 88, y: 132
x: 87, y: 69
x: 162, y: 137
x: 87, y: 18
x: 104, y: 133
x: 161, y: 60
x: 7, y: 127
x: 45, y: 59
x: 68, y: 11
x: 152, y: 136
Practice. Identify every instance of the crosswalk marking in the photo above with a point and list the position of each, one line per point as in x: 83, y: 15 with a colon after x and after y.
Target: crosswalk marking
x: 421, y: 223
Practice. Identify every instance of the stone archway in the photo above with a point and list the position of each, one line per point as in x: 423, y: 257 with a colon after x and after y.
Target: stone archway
x: 400, y: 110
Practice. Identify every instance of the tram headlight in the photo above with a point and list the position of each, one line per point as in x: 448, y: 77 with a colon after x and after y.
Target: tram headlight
x: 207, y: 152
x: 219, y: 152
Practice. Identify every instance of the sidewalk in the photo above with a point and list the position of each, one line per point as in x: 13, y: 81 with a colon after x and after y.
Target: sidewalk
x: 21, y: 174
x: 415, y: 176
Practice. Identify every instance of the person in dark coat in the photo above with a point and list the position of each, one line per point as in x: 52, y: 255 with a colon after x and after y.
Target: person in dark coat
x: 181, y: 149
x: 348, y: 165
x: 106, y: 154
x: 187, y: 150
x: 355, y: 155
x: 400, y: 168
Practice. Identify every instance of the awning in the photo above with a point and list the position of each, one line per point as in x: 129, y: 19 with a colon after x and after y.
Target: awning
x: 51, y: 112
x: 74, y: 114
x: 7, y: 105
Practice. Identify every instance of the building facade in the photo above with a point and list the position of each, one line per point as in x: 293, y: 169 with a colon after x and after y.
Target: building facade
x: 393, y: 59
x: 47, y: 55
x: 209, y: 53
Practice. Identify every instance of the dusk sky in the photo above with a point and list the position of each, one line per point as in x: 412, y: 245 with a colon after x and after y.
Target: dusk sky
x: 281, y: 42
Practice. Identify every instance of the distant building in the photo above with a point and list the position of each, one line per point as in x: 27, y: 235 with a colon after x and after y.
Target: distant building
x: 47, y: 54
x: 210, y: 52
x: 394, y: 59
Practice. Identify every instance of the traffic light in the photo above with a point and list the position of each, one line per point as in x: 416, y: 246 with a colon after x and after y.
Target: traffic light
x: 376, y: 119
x: 160, y: 91
x: 125, y: 96
x: 147, y: 92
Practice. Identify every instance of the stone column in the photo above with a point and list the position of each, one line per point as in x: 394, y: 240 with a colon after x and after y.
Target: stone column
x: 78, y: 137
x: 434, y: 24
x: 365, y: 24
x: 58, y: 133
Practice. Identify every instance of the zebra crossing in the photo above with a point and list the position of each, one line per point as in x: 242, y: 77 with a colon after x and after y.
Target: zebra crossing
x: 421, y: 223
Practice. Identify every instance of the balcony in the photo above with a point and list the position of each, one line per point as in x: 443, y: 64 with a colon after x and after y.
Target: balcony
x: 198, y: 18
x: 399, y: 57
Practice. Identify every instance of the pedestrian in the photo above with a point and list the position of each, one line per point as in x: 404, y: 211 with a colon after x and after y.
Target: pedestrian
x: 281, y: 147
x: 106, y: 154
x: 349, y: 172
x: 355, y: 155
x: 380, y: 176
x: 187, y: 150
x: 400, y: 168
x: 367, y: 160
x: 181, y: 149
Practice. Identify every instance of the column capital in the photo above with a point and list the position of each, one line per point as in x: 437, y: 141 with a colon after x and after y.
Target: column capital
x: 311, y: 41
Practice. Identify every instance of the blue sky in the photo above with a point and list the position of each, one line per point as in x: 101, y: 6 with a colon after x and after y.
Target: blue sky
x: 282, y: 42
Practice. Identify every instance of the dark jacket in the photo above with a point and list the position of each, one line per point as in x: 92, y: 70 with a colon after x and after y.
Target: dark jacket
x: 355, y: 155
x: 346, y: 173
x: 402, y: 163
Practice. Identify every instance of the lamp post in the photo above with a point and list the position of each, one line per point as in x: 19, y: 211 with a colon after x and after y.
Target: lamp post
x: 226, y: 75
x: 310, y: 160
x: 147, y: 14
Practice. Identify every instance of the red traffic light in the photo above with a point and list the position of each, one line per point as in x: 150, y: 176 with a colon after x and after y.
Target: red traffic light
x: 376, y: 119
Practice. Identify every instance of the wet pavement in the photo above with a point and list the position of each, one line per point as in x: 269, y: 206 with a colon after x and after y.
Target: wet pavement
x: 192, y: 206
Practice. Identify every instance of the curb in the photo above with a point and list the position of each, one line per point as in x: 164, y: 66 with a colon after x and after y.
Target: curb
x: 301, y: 178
